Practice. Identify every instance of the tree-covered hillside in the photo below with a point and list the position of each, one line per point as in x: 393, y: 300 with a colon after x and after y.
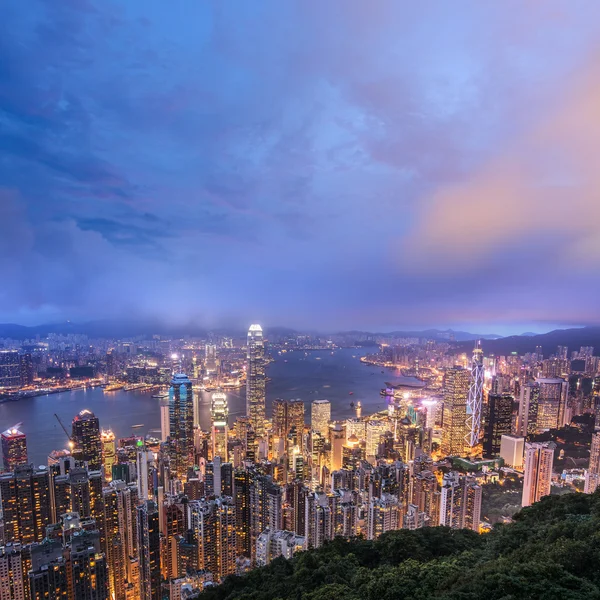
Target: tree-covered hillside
x: 550, y: 552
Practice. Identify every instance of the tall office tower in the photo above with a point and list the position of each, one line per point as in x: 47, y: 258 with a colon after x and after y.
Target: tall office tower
x: 384, y: 515
x: 475, y: 399
x: 165, y: 419
x: 25, y: 501
x: 256, y: 380
x: 511, y: 451
x: 527, y: 421
x: 120, y: 522
x: 552, y: 404
x: 109, y: 452
x: 13, y: 573
x: 271, y: 544
x: 87, y: 572
x: 219, y: 432
x: 497, y: 423
x: 213, y: 522
x: 143, y: 458
x: 460, y: 502
x: 320, y: 415
x: 375, y: 429
x: 27, y: 372
x: 86, y: 437
x: 148, y: 543
x: 287, y: 415
x: 48, y: 575
x: 592, y: 474
x: 454, y: 427
x: 10, y: 369
x: 14, y: 447
x: 241, y: 497
x: 181, y: 425
x: 111, y: 367
x: 537, y: 478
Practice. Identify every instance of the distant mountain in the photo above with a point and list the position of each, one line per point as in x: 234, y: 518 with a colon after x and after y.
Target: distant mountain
x: 431, y: 334
x: 572, y: 338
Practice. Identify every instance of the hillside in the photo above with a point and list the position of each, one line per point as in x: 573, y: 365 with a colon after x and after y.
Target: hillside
x: 551, y: 551
x: 572, y: 338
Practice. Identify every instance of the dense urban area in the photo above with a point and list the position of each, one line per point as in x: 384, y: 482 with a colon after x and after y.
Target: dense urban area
x: 464, y: 440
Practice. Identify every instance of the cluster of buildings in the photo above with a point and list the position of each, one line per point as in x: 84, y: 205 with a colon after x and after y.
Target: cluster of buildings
x: 142, y: 518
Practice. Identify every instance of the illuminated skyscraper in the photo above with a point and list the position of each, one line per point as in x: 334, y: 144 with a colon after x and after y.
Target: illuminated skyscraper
x: 527, y: 421
x: 384, y: 515
x: 10, y: 369
x: 86, y: 437
x: 165, y: 419
x: 181, y: 425
x: 86, y: 566
x: 148, y: 533
x: 497, y: 423
x: 13, y: 572
x: 475, y: 398
x: 454, y: 426
x: 460, y: 502
x: 320, y: 415
x: 288, y: 415
x: 537, y: 479
x: 552, y: 403
x: 219, y: 428
x: 14, y: 448
x: 255, y: 380
x: 27, y: 372
x: 107, y: 439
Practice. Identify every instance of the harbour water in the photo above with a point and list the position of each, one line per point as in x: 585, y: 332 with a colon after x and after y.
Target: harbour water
x: 309, y: 376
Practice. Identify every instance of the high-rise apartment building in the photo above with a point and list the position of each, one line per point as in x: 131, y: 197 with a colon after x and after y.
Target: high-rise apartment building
x: 287, y: 415
x: 592, y: 474
x: 460, y: 502
x: 219, y: 433
x: 86, y: 437
x: 148, y: 534
x: 320, y: 415
x: 25, y: 497
x: 498, y: 422
x: 181, y: 425
x: 384, y: 514
x: 14, y: 448
x: 120, y: 523
x: 10, y: 369
x: 537, y: 479
x: 256, y: 380
x: 27, y: 372
x: 454, y: 427
x: 13, y: 572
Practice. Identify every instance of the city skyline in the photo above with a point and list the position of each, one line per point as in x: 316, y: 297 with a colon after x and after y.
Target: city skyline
x: 368, y: 167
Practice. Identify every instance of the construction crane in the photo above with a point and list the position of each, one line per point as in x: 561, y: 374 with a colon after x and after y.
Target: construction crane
x: 71, y: 442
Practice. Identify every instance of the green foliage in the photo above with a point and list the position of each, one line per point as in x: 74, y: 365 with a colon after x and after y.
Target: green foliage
x: 552, y: 550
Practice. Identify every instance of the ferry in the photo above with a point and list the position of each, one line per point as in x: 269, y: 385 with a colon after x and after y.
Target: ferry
x: 161, y: 395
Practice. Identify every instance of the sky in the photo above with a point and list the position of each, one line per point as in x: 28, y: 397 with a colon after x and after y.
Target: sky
x: 340, y: 164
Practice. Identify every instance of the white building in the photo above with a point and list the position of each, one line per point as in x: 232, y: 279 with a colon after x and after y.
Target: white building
x: 273, y: 543
x: 512, y: 448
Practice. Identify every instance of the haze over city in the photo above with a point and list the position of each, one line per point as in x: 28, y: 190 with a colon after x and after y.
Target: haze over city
x: 310, y: 164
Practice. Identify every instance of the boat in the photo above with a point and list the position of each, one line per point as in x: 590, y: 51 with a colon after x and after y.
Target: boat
x: 137, y: 426
x: 351, y: 393
x: 351, y: 404
x: 161, y: 395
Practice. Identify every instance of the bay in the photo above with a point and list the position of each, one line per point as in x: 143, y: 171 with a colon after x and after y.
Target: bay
x: 313, y: 375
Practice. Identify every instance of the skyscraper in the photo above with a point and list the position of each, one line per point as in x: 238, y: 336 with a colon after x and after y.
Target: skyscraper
x: 181, y: 425
x: 475, y: 398
x: 10, y: 369
x: 14, y: 447
x: 287, y: 414
x: 255, y: 380
x: 537, y: 478
x: 26, y: 369
x: 86, y: 437
x: 109, y: 449
x: 460, y: 502
x: 148, y: 533
x: 165, y: 419
x: 552, y: 403
x: 527, y: 421
x: 219, y: 427
x: 454, y: 427
x: 511, y: 451
x: 320, y: 415
x: 497, y: 423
